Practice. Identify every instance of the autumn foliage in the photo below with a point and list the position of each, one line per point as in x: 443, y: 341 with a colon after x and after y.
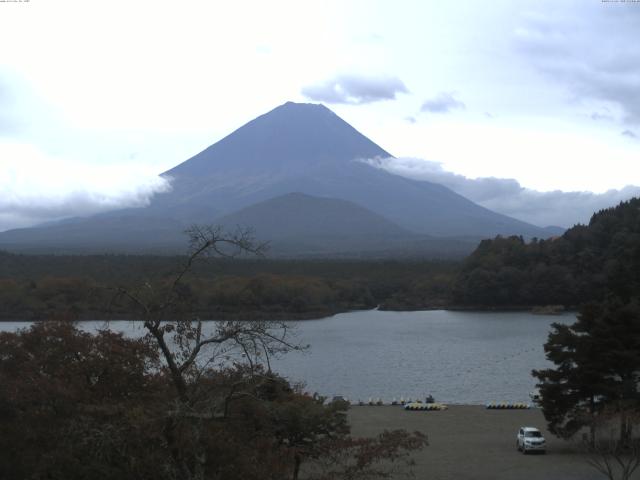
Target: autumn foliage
x: 75, y: 405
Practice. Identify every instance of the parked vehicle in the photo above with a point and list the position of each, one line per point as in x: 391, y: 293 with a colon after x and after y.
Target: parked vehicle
x: 530, y: 439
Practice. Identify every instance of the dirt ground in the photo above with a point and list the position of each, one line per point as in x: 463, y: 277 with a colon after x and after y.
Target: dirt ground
x: 471, y: 442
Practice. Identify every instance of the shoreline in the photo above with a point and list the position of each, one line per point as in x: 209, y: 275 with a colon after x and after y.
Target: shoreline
x: 316, y: 314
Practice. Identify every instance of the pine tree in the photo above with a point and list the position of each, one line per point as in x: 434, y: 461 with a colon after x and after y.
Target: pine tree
x: 597, y: 365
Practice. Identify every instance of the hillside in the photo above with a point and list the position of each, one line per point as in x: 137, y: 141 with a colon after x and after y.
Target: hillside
x: 301, y: 215
x: 297, y: 224
x: 582, y: 265
x: 128, y: 231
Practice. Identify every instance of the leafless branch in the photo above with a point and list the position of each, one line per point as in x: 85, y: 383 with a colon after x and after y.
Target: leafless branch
x: 612, y: 454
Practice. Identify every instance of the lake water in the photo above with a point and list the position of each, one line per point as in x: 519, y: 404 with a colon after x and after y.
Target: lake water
x: 458, y: 357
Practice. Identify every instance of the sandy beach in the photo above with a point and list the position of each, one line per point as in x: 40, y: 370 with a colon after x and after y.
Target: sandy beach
x: 471, y: 442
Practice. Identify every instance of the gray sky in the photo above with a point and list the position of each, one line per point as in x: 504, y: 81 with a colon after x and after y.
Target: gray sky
x: 97, y: 98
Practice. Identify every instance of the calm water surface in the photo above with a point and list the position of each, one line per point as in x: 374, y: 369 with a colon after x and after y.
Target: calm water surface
x: 458, y: 357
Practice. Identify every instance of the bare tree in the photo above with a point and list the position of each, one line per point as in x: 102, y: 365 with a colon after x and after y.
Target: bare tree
x: 614, y: 452
x: 190, y: 348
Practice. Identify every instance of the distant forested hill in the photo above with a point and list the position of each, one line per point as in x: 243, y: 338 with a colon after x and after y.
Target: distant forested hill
x: 39, y: 287
x: 582, y: 265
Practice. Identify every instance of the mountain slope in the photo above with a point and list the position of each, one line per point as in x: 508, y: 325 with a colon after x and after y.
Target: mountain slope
x: 307, y: 148
x: 298, y: 224
x: 123, y: 231
x: 292, y: 136
x: 300, y: 215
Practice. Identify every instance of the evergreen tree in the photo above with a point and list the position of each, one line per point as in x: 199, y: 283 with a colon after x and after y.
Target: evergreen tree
x: 597, y: 365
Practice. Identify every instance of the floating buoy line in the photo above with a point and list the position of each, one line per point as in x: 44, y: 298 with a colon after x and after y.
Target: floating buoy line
x: 508, y: 406
x: 430, y: 404
x: 425, y: 406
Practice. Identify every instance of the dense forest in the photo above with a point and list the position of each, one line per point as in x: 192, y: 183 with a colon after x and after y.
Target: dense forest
x: 582, y: 265
x: 504, y: 272
x: 82, y: 287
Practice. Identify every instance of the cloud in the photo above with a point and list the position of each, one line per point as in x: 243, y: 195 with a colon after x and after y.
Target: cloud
x: 629, y: 133
x: 355, y: 89
x: 9, y: 122
x: 444, y: 102
x: 597, y: 116
x: 508, y: 197
x: 35, y: 187
x: 588, y: 47
x: 22, y: 109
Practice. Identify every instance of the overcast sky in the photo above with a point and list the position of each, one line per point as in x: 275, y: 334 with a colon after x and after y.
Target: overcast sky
x: 97, y: 98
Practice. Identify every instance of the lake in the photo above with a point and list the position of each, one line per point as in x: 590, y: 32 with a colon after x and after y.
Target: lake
x: 458, y: 357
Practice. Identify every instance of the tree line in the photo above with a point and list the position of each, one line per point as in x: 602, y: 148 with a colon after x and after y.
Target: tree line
x: 582, y: 265
x: 35, y: 287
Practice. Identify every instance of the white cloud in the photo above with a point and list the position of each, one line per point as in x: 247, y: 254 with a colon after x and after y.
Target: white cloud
x: 355, y: 89
x: 35, y: 187
x: 444, y: 102
x: 508, y: 197
x: 543, y: 154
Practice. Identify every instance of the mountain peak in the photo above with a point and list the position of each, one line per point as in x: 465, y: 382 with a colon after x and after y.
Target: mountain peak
x: 303, y: 108
x: 294, y: 112
x: 292, y: 136
x: 303, y: 105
